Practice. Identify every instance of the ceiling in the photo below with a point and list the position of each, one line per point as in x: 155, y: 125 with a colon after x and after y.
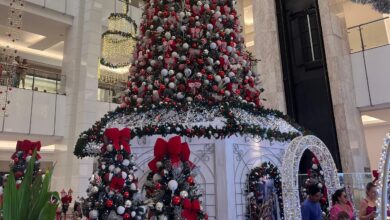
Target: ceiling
x: 40, y: 37
x: 376, y: 117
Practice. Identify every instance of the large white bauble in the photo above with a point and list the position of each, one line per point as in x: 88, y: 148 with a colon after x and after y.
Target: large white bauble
x: 164, y: 72
x: 172, y: 185
x: 171, y: 72
x: 183, y: 194
x: 133, y: 213
x: 110, y: 147
x: 217, y: 78
x: 168, y: 35
x: 171, y: 85
x: 93, y: 214
x: 213, y: 46
x: 158, y: 164
x: 94, y: 189
x: 124, y: 175
x: 315, y: 166
x: 128, y: 203
x: 126, y: 162
x: 210, y: 27
x: 120, y: 210
x: 133, y: 186
x: 111, y: 167
x: 156, y: 177
x: 226, y: 79
x: 28, y: 158
x: 186, y: 46
x: 180, y: 95
x: 117, y: 170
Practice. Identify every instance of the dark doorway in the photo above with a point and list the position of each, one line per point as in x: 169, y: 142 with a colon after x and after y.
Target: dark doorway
x: 305, y: 73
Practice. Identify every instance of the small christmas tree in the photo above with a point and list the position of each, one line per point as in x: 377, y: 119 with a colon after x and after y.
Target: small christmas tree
x: 113, y: 192
x: 21, y: 157
x: 316, y: 177
x: 170, y: 186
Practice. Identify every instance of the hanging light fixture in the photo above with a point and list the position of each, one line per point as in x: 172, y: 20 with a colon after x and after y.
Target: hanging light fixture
x: 118, y: 43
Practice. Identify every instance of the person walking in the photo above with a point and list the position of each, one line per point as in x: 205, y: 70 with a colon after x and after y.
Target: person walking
x: 311, y: 209
x: 367, y: 209
x: 341, y: 204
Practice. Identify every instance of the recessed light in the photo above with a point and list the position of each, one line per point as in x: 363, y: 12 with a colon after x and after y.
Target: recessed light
x: 368, y: 120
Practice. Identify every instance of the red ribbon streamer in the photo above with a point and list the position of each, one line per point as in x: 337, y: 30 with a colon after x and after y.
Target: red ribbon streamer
x: 174, y: 149
x: 190, y: 209
x: 119, y: 137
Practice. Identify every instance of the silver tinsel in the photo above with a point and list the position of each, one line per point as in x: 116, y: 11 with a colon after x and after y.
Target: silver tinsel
x: 382, y: 6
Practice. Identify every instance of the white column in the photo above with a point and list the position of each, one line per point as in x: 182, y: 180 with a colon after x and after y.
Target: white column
x: 80, y: 65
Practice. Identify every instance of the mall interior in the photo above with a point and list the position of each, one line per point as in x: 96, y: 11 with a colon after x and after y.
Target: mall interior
x: 323, y: 63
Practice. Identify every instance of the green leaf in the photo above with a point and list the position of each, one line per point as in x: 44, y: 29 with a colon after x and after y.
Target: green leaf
x: 49, y: 209
x: 10, y: 199
x: 25, y: 191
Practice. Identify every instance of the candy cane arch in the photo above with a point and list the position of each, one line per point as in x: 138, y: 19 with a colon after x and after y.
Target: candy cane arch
x: 383, y: 168
x: 290, y: 170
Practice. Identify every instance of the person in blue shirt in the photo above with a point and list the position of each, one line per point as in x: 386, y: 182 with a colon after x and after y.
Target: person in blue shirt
x: 311, y: 209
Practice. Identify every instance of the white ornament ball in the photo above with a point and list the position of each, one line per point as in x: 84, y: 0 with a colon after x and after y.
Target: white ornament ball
x: 199, y: 74
x: 158, y: 164
x: 315, y: 166
x: 130, y: 177
x: 159, y: 206
x: 160, y: 58
x: 117, y: 170
x: 210, y: 27
x: 231, y: 74
x: 168, y: 35
x: 226, y: 80
x: 179, y: 75
x: 180, y: 95
x: 128, y: 204
x: 133, y: 213
x: 182, y: 14
x: 322, y: 172
x: 126, y: 162
x: 156, y: 177
x: 110, y: 147
x: 186, y: 46
x: 187, y: 72
x: 93, y: 214
x: 120, y: 210
x: 124, y: 175
x: 206, y: 82
x: 164, y: 72
x: 172, y: 185
x: 1, y: 190
x: 319, y: 185
x: 111, y: 167
x: 205, y: 52
x: 183, y: 194
x: 133, y: 186
x: 227, y: 93
x: 213, y: 46
x: 171, y: 85
x: 94, y: 190
x: 28, y: 158
x: 217, y: 78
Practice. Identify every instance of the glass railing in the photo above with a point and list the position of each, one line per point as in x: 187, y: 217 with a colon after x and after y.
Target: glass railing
x: 57, y: 5
x: 111, y: 93
x: 31, y: 79
x: 369, y: 35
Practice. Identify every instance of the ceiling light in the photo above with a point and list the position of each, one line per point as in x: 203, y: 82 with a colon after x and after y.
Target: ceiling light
x: 248, y: 15
x: 368, y: 120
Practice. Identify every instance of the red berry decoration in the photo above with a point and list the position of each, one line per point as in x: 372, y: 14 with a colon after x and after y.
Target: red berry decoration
x: 176, y: 200
x: 190, y: 180
x: 109, y: 203
x: 18, y: 174
x: 16, y: 160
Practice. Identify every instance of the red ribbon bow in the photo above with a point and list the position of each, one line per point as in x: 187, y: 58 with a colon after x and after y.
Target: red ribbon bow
x: 174, y: 149
x: 117, y: 183
x: 190, y: 209
x: 28, y: 148
x: 119, y: 137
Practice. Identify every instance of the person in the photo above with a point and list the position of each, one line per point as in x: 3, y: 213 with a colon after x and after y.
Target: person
x: 23, y: 72
x: 311, y: 209
x: 341, y: 204
x: 367, y: 209
x: 343, y: 216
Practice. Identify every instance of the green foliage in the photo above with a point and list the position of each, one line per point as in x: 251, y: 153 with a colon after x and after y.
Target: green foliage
x: 32, y: 200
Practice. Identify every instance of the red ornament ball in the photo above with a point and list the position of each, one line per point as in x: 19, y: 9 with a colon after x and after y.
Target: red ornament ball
x: 16, y: 160
x: 109, y: 203
x: 126, y: 194
x: 176, y: 200
x: 18, y: 174
x: 190, y: 180
x: 126, y: 216
x: 158, y: 186
x: 119, y: 157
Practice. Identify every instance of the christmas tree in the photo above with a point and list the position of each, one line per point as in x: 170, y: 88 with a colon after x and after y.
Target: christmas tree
x: 113, y: 192
x: 21, y: 157
x: 170, y: 186
x: 316, y: 177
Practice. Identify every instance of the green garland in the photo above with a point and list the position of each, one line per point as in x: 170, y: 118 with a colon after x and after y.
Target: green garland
x: 95, y: 134
x: 265, y: 169
x: 125, y: 16
x: 113, y: 66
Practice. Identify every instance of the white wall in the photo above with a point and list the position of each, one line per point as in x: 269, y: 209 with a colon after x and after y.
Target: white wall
x: 374, y: 138
x: 378, y: 74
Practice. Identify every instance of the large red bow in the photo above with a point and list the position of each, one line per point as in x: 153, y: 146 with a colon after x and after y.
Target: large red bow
x: 119, y: 137
x: 190, y: 209
x: 117, y: 183
x: 174, y: 149
x: 28, y: 148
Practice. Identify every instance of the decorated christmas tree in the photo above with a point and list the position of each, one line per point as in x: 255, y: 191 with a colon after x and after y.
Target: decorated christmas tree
x: 315, y: 176
x: 170, y: 187
x: 113, y: 192
x: 21, y: 157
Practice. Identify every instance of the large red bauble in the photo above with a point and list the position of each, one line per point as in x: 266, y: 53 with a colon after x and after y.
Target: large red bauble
x: 126, y: 194
x: 126, y: 216
x: 109, y: 203
x: 190, y: 180
x: 119, y: 157
x: 176, y: 200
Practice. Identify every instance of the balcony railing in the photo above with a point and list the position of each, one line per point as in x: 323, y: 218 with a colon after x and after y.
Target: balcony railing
x: 34, y: 79
x: 369, y: 35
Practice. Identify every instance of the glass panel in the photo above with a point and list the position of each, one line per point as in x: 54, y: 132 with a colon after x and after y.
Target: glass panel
x: 354, y: 40
x: 374, y: 34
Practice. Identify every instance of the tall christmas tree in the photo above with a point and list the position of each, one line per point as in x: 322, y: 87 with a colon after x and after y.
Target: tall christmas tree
x: 113, y: 192
x: 170, y: 186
